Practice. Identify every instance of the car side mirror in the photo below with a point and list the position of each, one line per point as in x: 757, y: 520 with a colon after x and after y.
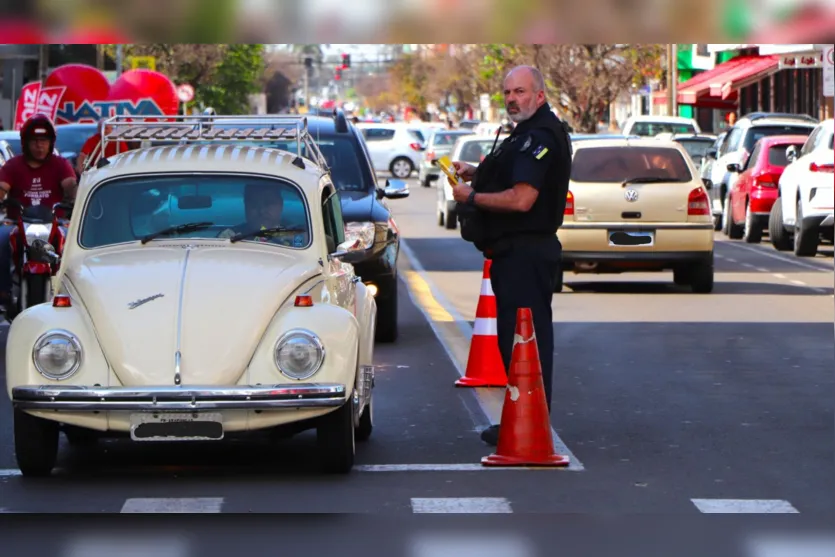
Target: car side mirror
x: 396, y: 189
x: 734, y: 167
x: 791, y: 153
x: 345, y: 248
x: 707, y: 183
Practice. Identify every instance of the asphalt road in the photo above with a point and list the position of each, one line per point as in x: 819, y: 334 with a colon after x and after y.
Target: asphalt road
x: 667, y: 402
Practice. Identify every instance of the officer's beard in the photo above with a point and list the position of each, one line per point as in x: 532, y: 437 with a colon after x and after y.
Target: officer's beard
x: 522, y: 114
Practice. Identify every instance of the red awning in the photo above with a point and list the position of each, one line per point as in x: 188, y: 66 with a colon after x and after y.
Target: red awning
x: 720, y: 84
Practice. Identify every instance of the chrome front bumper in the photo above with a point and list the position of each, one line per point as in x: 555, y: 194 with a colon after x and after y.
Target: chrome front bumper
x: 193, y: 398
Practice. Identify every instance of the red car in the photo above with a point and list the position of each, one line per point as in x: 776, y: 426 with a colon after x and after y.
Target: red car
x: 755, y: 191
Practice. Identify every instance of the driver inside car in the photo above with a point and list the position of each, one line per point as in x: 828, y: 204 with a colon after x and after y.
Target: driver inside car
x: 264, y: 208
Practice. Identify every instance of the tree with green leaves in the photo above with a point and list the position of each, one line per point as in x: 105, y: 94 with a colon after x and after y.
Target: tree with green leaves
x: 239, y: 74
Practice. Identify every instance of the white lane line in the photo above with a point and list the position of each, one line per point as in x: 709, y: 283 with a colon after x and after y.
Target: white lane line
x: 744, y: 506
x: 747, y: 265
x: 762, y: 270
x: 731, y: 259
x: 467, y: 505
x: 775, y: 256
x: 490, y: 400
x: 163, y: 505
x: 464, y: 467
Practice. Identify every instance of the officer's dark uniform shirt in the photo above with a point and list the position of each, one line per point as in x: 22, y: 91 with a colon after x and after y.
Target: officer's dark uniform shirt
x: 536, y: 156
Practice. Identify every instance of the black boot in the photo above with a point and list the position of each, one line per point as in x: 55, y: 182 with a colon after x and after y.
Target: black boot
x: 491, y: 435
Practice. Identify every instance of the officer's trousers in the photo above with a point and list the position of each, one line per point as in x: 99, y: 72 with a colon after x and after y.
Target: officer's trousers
x: 525, y: 277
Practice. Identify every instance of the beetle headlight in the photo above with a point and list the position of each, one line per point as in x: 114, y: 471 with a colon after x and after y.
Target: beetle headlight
x: 57, y: 355
x: 299, y: 354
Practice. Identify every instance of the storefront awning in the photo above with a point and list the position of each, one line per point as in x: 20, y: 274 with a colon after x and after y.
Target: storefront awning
x: 720, y: 85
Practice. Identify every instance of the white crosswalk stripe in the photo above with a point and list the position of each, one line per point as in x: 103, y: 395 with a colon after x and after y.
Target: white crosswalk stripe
x: 163, y: 505
x: 744, y: 506
x: 467, y: 505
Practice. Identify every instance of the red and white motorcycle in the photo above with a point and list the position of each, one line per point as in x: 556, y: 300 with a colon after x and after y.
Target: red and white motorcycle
x: 37, y: 242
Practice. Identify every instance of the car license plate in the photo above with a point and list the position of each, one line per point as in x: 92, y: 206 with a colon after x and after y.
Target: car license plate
x: 624, y: 238
x: 176, y: 426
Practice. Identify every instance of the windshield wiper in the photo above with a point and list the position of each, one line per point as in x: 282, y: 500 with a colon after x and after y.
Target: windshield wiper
x: 645, y: 180
x: 180, y: 229
x: 263, y: 232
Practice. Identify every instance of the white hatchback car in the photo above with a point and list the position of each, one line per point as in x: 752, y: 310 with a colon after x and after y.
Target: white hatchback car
x: 396, y: 148
x: 803, y: 212
x: 471, y: 149
x: 201, y: 293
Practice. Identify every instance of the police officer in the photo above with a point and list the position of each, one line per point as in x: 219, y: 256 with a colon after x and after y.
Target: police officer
x: 512, y: 213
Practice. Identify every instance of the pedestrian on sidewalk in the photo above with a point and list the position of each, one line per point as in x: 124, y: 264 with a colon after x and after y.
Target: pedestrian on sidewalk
x: 512, y: 212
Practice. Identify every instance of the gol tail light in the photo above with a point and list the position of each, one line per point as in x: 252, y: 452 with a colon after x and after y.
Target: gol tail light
x: 569, y: 204
x: 698, y: 203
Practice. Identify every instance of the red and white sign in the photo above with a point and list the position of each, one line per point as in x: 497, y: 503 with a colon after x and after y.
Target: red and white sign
x: 35, y: 99
x: 801, y: 61
x: 185, y: 93
x: 80, y: 93
x: 829, y: 71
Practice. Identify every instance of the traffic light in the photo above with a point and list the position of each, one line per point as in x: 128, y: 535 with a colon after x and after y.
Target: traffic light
x: 346, y: 61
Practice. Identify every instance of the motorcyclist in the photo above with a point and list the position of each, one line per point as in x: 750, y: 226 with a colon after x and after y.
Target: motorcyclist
x: 35, y: 177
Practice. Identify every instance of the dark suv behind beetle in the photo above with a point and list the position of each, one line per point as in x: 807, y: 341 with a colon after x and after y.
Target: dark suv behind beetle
x: 364, y: 209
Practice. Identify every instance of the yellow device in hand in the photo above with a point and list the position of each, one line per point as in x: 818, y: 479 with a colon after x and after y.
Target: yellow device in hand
x: 449, y: 170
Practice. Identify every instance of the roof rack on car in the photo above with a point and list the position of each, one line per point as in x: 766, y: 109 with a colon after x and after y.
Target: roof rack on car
x: 193, y: 128
x: 760, y: 115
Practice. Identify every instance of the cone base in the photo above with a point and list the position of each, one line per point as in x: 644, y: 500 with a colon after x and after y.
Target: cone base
x: 502, y: 460
x: 476, y: 382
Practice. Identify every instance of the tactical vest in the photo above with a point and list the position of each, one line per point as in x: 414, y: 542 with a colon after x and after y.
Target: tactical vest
x: 476, y: 225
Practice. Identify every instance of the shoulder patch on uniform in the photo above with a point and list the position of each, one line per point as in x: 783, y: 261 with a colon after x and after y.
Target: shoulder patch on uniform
x: 540, y: 152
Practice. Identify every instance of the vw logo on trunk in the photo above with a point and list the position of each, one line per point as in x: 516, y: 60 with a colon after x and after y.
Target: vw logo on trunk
x: 631, y: 195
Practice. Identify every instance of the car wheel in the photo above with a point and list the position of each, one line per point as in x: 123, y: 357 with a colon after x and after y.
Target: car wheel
x: 80, y: 437
x: 336, y: 439
x: 753, y: 231
x: 777, y: 232
x: 805, y: 236
x: 387, y: 316
x: 366, y: 425
x: 401, y: 168
x: 732, y: 230
x: 701, y: 277
x: 35, y: 444
x: 681, y: 276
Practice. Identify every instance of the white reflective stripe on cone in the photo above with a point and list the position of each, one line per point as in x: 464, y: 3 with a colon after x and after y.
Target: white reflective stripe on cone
x: 485, y: 326
x: 486, y: 288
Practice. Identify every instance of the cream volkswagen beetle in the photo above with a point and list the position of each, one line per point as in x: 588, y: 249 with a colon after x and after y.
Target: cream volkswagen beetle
x: 200, y: 293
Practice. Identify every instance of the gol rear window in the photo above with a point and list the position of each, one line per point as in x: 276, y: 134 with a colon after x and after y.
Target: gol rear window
x: 616, y: 164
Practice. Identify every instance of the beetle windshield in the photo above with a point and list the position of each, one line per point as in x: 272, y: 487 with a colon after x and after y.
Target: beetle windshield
x: 129, y: 209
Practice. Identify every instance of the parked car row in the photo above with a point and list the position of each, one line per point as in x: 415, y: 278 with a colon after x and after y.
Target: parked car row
x: 785, y: 187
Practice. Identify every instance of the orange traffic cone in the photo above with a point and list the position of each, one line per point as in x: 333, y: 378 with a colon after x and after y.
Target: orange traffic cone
x: 485, y: 367
x: 525, y: 431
